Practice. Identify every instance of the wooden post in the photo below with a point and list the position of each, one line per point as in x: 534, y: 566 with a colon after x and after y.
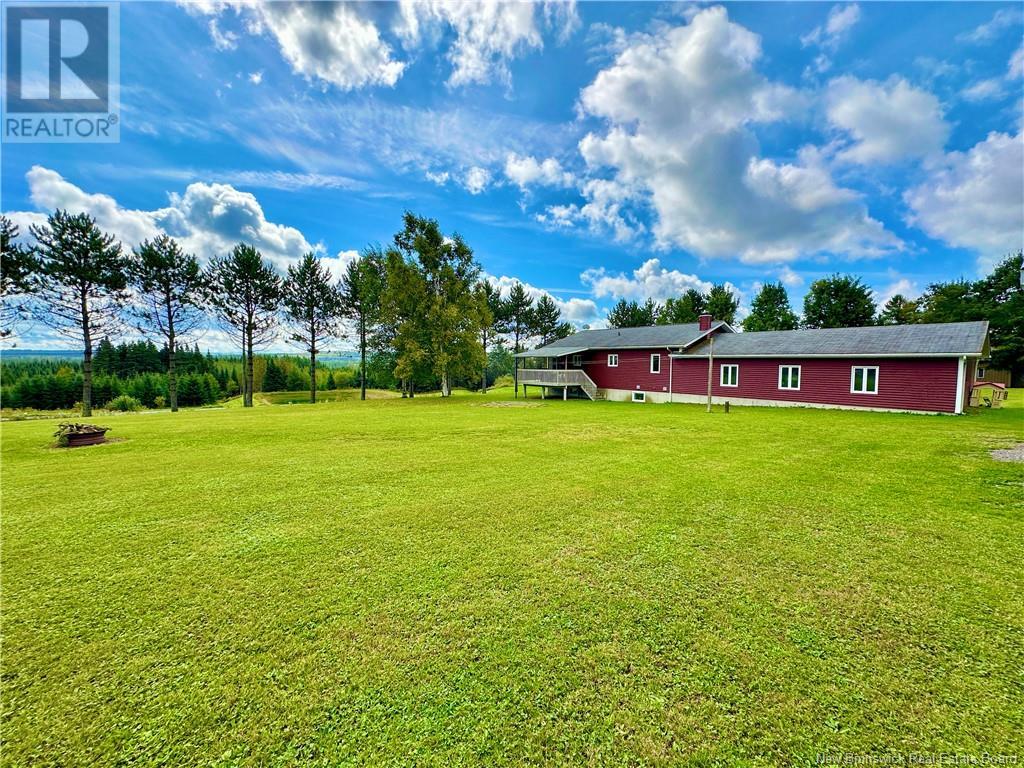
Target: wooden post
x: 565, y: 393
x: 670, y: 361
x: 711, y: 366
x: 515, y: 379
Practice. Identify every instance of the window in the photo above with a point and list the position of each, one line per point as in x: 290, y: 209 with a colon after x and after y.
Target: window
x: 730, y: 376
x: 613, y: 361
x: 981, y: 373
x: 789, y: 377
x: 639, y: 397
x: 655, y: 363
x: 864, y: 380
x: 577, y: 360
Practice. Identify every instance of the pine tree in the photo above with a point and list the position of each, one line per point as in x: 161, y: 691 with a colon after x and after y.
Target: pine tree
x: 770, y: 310
x: 105, y: 357
x: 495, y: 321
x: 631, y: 314
x: 362, y: 290
x: 274, y: 378
x: 82, y: 284
x: 18, y: 266
x: 722, y: 304
x: 839, y: 301
x: 314, y: 307
x: 171, y: 294
x: 519, y: 315
x: 899, y: 310
x: 686, y: 309
x: 245, y: 294
x: 548, y: 323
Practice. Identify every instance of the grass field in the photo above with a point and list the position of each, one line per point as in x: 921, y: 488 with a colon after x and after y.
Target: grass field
x: 440, y: 582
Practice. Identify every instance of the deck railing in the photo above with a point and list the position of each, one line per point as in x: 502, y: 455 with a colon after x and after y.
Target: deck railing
x: 554, y: 377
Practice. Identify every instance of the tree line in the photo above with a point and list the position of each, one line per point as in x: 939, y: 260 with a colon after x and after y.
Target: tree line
x: 845, y: 301
x: 138, y: 370
x: 422, y: 315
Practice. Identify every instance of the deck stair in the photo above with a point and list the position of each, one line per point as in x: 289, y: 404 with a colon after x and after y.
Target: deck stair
x: 559, y: 377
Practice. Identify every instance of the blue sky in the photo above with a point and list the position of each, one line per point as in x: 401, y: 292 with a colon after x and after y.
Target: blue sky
x: 592, y: 150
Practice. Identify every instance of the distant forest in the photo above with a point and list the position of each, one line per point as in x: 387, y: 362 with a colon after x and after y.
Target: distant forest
x: 139, y: 370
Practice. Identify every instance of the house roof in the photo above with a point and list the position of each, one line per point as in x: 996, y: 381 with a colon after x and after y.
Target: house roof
x: 933, y: 339
x: 680, y: 335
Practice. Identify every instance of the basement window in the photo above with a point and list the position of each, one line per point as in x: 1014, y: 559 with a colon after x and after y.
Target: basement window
x: 864, y: 380
x: 789, y: 377
x: 639, y: 397
x: 730, y: 376
x: 655, y: 363
x: 613, y: 361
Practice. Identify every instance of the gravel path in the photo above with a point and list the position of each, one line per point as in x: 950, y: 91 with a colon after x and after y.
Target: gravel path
x: 1009, y: 454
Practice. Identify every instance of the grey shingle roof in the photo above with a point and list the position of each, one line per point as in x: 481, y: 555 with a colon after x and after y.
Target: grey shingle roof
x: 924, y: 339
x: 622, y: 338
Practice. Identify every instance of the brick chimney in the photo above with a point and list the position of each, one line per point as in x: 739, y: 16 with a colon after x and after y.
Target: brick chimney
x: 705, y: 322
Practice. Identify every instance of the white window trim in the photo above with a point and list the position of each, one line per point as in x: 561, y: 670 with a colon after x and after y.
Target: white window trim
x: 577, y: 360
x: 853, y: 379
x: 799, y: 378
x: 639, y: 397
x: 654, y: 357
x: 721, y: 374
x: 610, y: 363
x: 979, y: 373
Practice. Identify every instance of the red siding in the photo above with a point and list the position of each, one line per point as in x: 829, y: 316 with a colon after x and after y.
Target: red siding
x: 634, y: 369
x: 916, y: 384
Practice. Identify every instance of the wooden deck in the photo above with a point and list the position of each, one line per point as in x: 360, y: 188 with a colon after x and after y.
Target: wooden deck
x: 555, y: 377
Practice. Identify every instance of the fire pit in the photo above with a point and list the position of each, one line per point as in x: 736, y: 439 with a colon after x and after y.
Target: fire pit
x: 71, y: 435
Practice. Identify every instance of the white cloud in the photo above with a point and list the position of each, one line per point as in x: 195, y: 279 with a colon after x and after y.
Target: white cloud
x: 559, y: 216
x: 983, y: 90
x: 841, y: 19
x: 207, y: 220
x: 575, y: 310
x: 681, y: 104
x: 327, y: 42
x: 256, y: 77
x: 790, y: 278
x: 1015, y: 69
x: 337, y: 264
x: 975, y: 199
x: 222, y: 41
x: 1005, y: 18
x: 649, y: 280
x: 526, y: 171
x: 935, y: 69
x: 887, y: 121
x: 440, y: 177
x: 487, y: 35
x: 904, y: 287
x: 476, y: 180
x: 398, y: 137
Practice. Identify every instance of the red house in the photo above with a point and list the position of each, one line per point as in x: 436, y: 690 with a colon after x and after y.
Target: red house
x: 927, y: 368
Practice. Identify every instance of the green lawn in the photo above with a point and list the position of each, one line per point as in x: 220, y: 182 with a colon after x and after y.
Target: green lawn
x: 440, y: 582
x: 297, y: 398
